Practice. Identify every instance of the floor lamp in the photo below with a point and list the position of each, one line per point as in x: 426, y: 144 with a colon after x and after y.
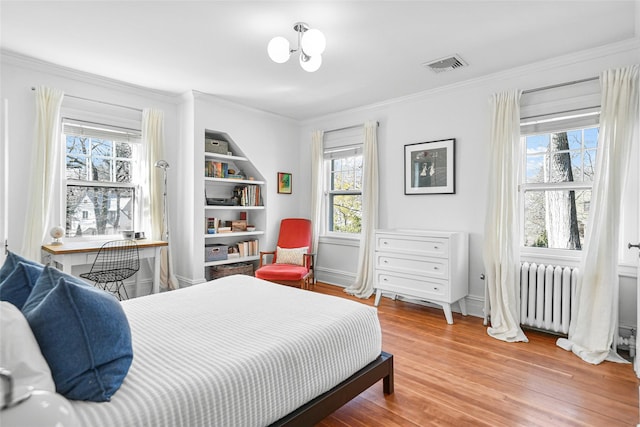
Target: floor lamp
x: 162, y: 164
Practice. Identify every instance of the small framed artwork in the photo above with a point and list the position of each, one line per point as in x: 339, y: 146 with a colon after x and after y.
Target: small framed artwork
x: 429, y: 167
x: 284, y: 183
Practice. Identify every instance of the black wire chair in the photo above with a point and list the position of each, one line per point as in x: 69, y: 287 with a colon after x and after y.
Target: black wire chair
x: 116, y: 261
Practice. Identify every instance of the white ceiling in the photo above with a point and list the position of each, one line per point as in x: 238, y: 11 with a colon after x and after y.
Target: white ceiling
x: 374, y: 48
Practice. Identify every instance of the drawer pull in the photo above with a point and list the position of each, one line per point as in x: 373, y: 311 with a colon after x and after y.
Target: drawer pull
x: 385, y: 280
x: 435, y: 247
x: 435, y: 268
x: 384, y: 242
x: 385, y: 261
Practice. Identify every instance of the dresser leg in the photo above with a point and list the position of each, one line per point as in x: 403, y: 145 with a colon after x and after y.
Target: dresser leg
x: 463, y: 306
x: 447, y: 313
x: 377, y: 300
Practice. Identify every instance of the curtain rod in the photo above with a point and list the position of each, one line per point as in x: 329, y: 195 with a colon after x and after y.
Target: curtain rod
x: 99, y: 102
x: 538, y: 89
x: 347, y: 127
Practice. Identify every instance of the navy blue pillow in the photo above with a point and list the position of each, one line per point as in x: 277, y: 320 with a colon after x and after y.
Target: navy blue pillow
x: 11, y: 262
x: 17, y: 286
x: 83, y: 334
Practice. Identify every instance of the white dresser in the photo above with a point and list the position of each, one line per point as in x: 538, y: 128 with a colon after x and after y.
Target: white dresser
x: 426, y: 265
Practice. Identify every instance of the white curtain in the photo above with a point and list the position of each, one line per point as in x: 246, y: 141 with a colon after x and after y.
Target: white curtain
x: 45, y: 159
x: 153, y: 177
x: 595, y: 322
x: 317, y: 175
x: 501, y: 232
x: 364, y: 283
x: 153, y: 141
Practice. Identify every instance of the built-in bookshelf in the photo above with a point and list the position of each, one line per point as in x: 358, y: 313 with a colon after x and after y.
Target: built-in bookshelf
x: 234, y: 204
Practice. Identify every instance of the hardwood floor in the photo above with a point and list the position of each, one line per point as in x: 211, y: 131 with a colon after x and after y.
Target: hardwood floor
x: 456, y: 375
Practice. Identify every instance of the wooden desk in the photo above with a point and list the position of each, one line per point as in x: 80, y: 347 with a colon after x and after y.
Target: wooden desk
x: 83, y: 253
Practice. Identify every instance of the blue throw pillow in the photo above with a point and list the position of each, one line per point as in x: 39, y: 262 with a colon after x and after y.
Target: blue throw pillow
x: 11, y: 262
x: 83, y: 334
x: 49, y: 278
x: 17, y: 286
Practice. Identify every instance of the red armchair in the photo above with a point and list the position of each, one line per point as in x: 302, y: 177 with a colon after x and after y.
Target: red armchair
x: 292, y: 261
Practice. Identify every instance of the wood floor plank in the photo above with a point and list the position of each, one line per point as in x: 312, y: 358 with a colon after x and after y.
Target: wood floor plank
x: 456, y: 375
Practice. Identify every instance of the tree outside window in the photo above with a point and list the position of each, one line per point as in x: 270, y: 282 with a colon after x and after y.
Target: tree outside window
x: 557, y: 189
x: 100, y: 196
x: 345, y: 194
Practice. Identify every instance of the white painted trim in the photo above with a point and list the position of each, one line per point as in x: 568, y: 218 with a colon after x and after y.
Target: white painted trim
x: 475, y: 306
x: 335, y: 277
x: 184, y: 282
x: 340, y: 241
x: 246, y: 108
x: 628, y: 270
x: 19, y: 60
x: 4, y: 187
x: 631, y: 44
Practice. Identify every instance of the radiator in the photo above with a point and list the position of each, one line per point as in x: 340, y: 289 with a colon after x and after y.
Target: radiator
x: 546, y: 295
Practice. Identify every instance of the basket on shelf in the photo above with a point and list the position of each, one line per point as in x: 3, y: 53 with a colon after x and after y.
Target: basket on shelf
x: 218, y: 271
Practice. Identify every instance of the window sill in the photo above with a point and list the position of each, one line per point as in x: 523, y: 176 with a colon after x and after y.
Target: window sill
x: 567, y: 258
x: 94, y: 238
x: 348, y: 240
x: 550, y: 256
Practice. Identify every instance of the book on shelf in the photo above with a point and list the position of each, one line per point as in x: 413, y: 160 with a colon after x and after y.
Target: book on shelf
x: 212, y: 225
x: 248, y: 195
x: 248, y: 248
x: 213, y: 169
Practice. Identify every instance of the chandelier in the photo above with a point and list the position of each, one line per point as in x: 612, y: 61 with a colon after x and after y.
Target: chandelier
x: 311, y: 44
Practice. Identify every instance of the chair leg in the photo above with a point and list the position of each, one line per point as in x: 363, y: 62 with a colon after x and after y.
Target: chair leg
x: 119, y: 286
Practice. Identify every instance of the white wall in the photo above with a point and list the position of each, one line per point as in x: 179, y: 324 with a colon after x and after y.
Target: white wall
x: 18, y: 75
x: 461, y: 112
x: 269, y: 141
x: 276, y: 144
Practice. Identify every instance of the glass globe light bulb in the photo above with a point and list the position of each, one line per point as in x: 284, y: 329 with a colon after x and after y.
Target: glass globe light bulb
x: 313, y: 42
x: 310, y: 63
x: 278, y: 49
x: 57, y: 233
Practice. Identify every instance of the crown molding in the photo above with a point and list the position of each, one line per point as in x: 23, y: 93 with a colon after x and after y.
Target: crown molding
x: 239, y: 106
x: 628, y: 45
x: 20, y: 60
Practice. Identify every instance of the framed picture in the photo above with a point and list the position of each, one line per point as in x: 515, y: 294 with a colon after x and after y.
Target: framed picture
x: 284, y: 183
x: 429, y: 167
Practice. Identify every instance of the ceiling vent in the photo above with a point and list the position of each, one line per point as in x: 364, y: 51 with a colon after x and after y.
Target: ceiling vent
x: 448, y: 63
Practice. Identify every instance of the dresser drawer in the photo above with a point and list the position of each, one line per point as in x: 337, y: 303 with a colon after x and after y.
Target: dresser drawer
x: 416, y: 286
x: 421, y: 245
x: 433, y: 267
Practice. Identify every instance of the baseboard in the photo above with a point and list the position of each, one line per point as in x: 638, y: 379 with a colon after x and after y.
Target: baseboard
x: 334, y: 277
x: 474, y: 304
x: 183, y: 282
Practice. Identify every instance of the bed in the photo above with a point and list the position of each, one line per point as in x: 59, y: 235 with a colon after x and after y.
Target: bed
x: 239, y: 351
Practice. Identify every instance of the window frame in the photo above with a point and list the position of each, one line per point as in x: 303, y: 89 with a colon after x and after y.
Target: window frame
x: 573, y: 121
x: 116, y: 134
x: 330, y: 155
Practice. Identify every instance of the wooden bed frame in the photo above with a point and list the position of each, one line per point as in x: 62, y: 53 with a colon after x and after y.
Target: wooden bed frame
x: 322, y: 406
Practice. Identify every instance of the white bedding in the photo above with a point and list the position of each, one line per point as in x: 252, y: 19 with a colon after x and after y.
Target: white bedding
x: 236, y: 351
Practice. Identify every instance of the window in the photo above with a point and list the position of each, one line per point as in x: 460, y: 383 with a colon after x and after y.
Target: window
x: 345, y: 193
x: 558, y: 176
x: 101, y: 191
x: 344, y: 163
